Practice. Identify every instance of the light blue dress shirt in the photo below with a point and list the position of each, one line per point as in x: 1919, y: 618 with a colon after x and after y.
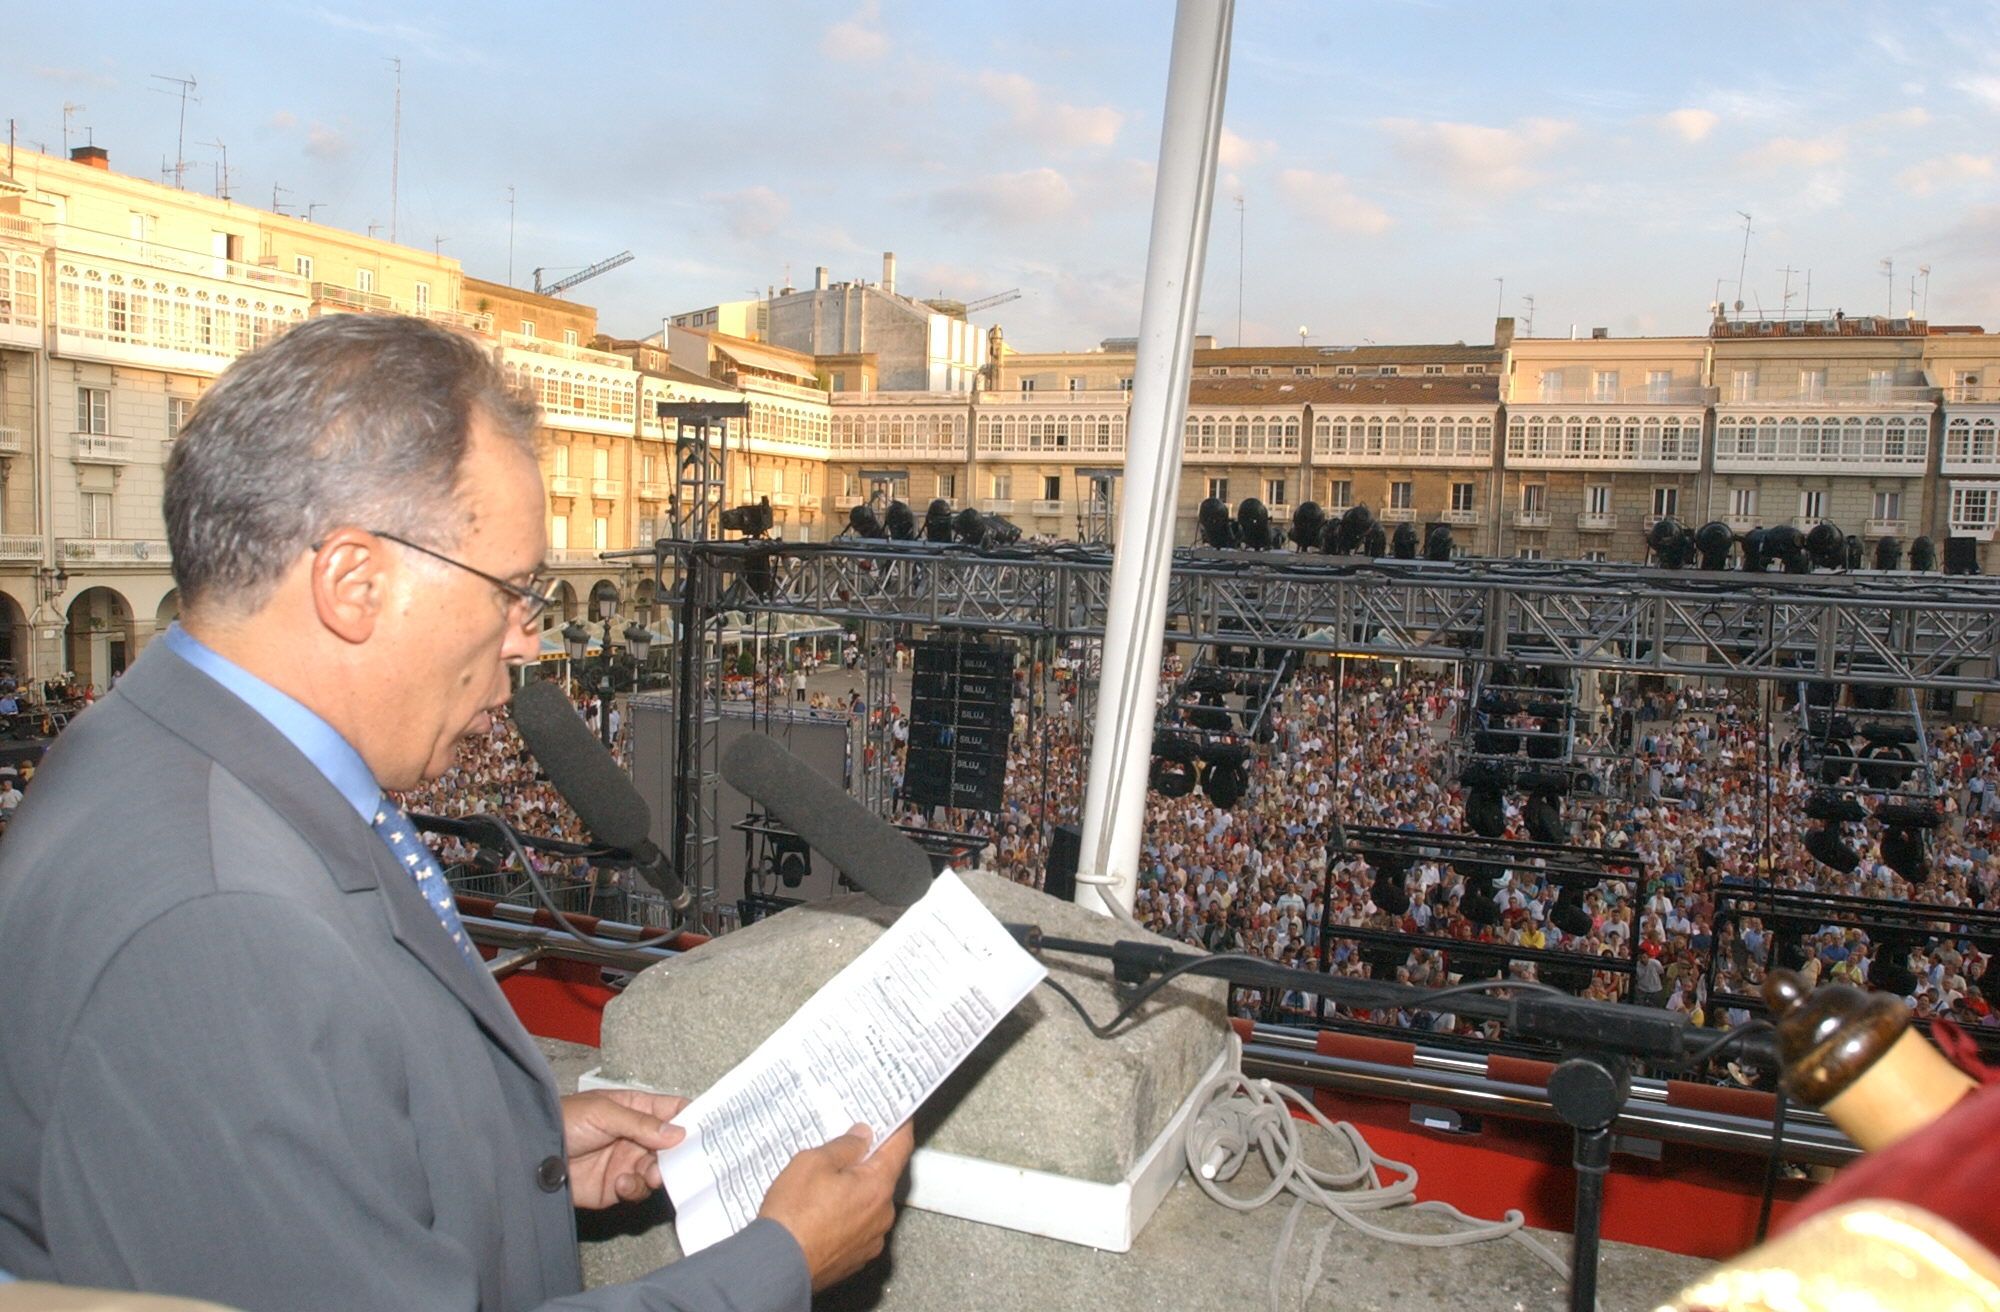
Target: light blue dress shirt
x: 319, y: 741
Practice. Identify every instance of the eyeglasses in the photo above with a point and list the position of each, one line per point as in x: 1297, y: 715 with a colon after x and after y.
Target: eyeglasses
x: 525, y: 603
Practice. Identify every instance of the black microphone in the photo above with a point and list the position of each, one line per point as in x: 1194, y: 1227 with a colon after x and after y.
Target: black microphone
x: 584, y: 772
x: 861, y: 845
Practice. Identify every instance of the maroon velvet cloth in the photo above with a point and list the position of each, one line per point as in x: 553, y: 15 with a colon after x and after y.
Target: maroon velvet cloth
x: 1950, y: 1167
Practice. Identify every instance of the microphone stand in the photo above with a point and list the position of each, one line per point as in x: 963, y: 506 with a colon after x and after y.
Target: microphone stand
x: 1600, y: 1041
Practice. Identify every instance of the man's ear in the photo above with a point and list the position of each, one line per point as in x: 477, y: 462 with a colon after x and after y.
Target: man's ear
x: 349, y: 574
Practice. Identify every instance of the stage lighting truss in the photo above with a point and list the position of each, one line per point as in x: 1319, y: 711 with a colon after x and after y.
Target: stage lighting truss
x: 1869, y: 762
x: 1521, y: 715
x: 1474, y: 857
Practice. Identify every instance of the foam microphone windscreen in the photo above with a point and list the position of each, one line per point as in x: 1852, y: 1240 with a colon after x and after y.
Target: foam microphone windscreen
x: 582, y: 770
x: 862, y: 845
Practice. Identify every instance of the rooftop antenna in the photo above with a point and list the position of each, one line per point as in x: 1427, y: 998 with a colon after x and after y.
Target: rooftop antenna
x: 1239, y: 271
x: 1785, y: 305
x: 186, y: 85
x: 1888, y: 263
x: 69, y: 109
x: 510, y: 234
x: 437, y: 246
x: 1303, y: 334
x: 1528, y: 320
x: 1925, y: 270
x: 396, y: 149
x: 278, y: 206
x: 1743, y: 263
x: 1500, y: 298
x: 312, y: 205
x: 374, y: 226
x: 1808, y: 309
x: 221, y: 168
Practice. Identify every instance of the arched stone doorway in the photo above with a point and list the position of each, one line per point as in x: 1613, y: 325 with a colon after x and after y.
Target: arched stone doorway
x: 15, y: 638
x: 601, y: 589
x: 98, y: 641
x: 169, y: 610
x: 564, y: 609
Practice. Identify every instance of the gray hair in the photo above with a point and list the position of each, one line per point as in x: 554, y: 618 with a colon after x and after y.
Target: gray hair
x: 358, y: 420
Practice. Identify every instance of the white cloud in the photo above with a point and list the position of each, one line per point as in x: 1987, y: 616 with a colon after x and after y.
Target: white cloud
x: 1923, y: 178
x: 857, y: 39
x: 1050, y: 123
x: 79, y: 76
x: 323, y: 142
x: 1007, y: 199
x: 1327, y: 199
x: 1912, y: 116
x: 1690, y: 125
x: 1796, y: 152
x: 1475, y: 158
x: 284, y: 120
x: 1242, y: 153
x: 1984, y: 88
x: 750, y: 213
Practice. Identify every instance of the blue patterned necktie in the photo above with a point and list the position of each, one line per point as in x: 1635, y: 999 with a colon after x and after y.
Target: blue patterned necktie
x: 411, y: 853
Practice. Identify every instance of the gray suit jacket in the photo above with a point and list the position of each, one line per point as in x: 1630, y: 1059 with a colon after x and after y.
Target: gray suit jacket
x: 241, y: 1060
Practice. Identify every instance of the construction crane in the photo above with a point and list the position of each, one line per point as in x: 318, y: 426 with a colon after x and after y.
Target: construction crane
x: 988, y: 302
x: 561, y: 285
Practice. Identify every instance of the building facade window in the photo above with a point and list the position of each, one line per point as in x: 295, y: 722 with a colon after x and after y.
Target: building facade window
x: 1461, y: 497
x: 1881, y: 384
x: 600, y: 463
x: 1975, y: 507
x: 600, y: 533
x: 1433, y: 369
x: 1260, y: 371
x: 1400, y: 493
x: 1596, y: 556
x: 303, y: 266
x: 560, y: 456
x: 93, y: 410
x: 1812, y: 384
x: 1743, y: 385
x: 1597, y: 499
x: 423, y: 297
x: 96, y: 515
x: 1666, y: 502
x: 364, y: 280
x: 1552, y: 385
x: 559, y: 533
x: 570, y: 338
x: 1302, y: 371
x: 1002, y: 488
x: 1812, y: 505
x: 1052, y: 487
x: 1340, y: 494
x: 1219, y: 489
x: 1125, y: 384
x: 527, y: 327
x: 1274, y: 492
x: 1743, y: 503
x: 1075, y: 383
x: 1659, y: 384
x: 1534, y: 497
x: 947, y: 486
x: 1027, y: 384
x: 1888, y: 505
x: 1604, y: 385
x: 180, y: 409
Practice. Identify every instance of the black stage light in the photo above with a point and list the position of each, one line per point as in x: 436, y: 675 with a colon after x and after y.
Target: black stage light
x: 1543, y: 817
x: 1173, y: 768
x: 937, y: 521
x: 1212, y: 715
x: 1923, y: 556
x: 1376, y: 543
x: 1887, y: 766
x: 976, y: 529
x: 1826, y: 546
x: 1714, y: 541
x: 1890, y: 971
x: 1404, y: 545
x: 1253, y: 525
x: 1568, y: 915
x: 1826, y: 804
x: 1787, y: 546
x: 1909, y: 815
x: 1756, y: 558
x: 1308, y: 523
x: 1879, y: 731
x: 1903, y: 851
x: 901, y: 521
x: 792, y: 859
x: 1485, y: 812
x: 1856, y: 554
x: 1825, y: 845
x: 1888, y: 553
x: 1390, y: 892
x: 1351, y: 530
x: 1225, y: 778
x: 750, y: 521
x: 863, y: 522
x: 1212, y: 521
x: 1478, y: 905
x: 1438, y: 546
x: 1671, y: 545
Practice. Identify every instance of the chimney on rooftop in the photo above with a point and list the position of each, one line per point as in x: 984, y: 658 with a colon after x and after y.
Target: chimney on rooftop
x: 1599, y: 334
x: 96, y: 157
x: 819, y: 278
x: 1503, y: 332
x: 889, y: 272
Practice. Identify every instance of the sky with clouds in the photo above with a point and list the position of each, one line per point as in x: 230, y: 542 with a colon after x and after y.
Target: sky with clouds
x: 1394, y: 158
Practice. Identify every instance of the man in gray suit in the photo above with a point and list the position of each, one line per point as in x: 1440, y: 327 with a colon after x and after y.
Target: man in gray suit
x: 247, y: 1053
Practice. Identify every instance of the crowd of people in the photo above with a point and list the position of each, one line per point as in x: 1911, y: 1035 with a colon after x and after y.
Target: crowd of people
x: 1703, y: 786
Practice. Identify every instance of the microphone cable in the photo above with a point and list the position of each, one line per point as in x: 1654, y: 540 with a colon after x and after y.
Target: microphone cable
x: 547, y: 899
